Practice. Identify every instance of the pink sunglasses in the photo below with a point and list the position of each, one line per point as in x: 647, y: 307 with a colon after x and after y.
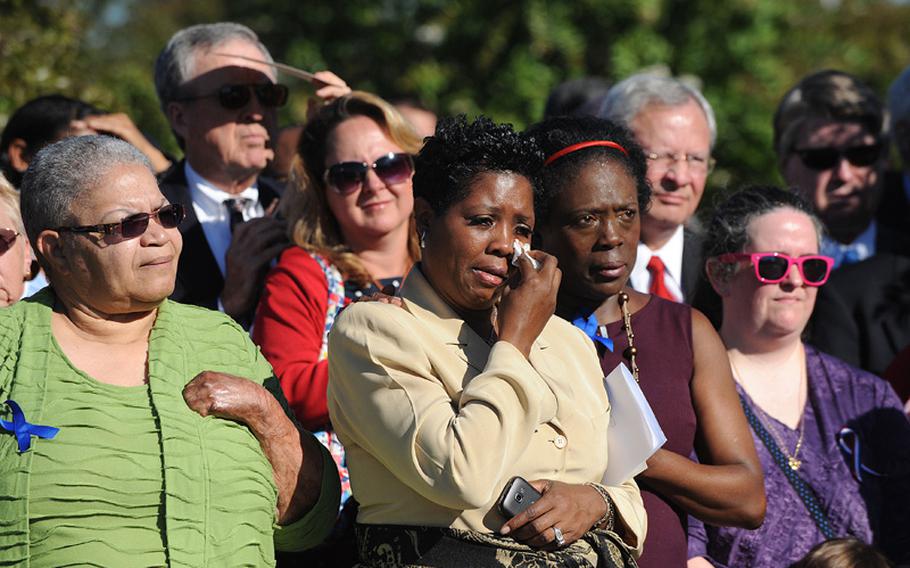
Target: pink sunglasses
x: 773, y: 267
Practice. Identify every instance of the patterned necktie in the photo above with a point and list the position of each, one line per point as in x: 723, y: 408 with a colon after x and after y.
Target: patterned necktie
x: 658, y: 282
x: 235, y: 209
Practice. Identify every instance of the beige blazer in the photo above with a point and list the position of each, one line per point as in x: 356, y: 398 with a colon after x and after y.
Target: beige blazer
x: 435, y: 421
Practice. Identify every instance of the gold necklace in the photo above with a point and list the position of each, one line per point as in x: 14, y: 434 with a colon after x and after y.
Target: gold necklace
x: 631, y: 351
x: 792, y: 459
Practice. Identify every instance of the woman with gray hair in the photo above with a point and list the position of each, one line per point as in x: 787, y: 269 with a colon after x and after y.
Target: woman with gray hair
x: 833, y: 441
x: 138, y: 431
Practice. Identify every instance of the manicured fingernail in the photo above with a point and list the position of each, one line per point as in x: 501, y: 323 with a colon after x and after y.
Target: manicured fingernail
x: 505, y: 529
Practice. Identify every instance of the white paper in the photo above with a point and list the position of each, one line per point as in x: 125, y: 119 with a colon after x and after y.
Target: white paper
x: 634, y: 433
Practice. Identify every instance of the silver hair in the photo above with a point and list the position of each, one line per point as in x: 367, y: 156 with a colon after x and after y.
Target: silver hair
x: 175, y: 63
x: 629, y: 97
x: 63, y: 171
x: 899, y: 97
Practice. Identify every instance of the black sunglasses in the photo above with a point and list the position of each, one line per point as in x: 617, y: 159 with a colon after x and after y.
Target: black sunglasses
x: 347, y: 177
x: 233, y: 97
x: 821, y: 159
x: 7, y: 239
x: 169, y: 216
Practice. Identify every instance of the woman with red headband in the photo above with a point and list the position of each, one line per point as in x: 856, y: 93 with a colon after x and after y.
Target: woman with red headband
x: 589, y: 218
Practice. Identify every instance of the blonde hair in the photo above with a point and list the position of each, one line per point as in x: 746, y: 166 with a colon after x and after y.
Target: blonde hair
x: 9, y: 201
x: 311, y: 224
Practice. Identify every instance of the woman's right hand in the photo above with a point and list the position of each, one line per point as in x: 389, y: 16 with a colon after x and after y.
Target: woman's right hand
x: 528, y: 301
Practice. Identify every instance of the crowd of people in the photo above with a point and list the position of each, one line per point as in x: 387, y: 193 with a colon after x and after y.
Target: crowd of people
x: 351, y: 341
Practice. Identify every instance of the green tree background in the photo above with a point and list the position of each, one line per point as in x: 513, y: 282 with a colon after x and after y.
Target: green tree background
x: 474, y: 56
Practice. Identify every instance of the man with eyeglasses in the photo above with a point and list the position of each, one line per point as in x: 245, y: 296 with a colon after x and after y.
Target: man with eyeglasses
x: 675, y: 125
x: 222, y: 108
x: 831, y: 144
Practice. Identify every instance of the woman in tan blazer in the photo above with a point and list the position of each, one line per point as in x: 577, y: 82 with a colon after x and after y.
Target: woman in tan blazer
x: 474, y: 381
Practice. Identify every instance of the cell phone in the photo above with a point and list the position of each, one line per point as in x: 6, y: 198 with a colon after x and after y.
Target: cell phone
x: 517, y: 496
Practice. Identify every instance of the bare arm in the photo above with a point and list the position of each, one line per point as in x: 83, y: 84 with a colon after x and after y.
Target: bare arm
x: 727, y: 488
x: 297, y: 463
x: 122, y: 126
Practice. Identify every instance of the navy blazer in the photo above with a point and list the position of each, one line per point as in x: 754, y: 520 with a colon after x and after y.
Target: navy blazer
x: 199, y: 280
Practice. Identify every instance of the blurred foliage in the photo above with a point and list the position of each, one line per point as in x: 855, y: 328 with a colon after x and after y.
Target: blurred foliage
x: 495, y: 57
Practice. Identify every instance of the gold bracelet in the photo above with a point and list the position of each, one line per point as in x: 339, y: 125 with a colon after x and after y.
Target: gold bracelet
x: 608, y: 520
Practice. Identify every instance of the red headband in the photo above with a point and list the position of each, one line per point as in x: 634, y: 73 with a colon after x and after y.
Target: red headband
x: 581, y: 145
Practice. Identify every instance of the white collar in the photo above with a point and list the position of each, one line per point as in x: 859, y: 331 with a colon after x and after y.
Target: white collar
x: 209, y: 198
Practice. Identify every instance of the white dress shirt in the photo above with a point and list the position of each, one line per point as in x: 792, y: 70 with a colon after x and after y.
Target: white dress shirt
x: 861, y: 248
x: 672, y: 256
x: 208, y: 203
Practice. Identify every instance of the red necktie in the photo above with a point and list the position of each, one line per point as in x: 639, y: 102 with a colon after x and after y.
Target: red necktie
x: 658, y: 283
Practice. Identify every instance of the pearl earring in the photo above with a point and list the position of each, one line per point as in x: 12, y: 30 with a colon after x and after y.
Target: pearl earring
x: 423, y: 239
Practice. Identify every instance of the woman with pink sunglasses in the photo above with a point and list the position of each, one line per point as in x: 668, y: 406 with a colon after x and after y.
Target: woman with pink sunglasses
x: 832, y: 439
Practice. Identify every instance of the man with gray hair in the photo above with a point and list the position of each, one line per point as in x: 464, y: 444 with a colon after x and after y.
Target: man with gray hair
x: 223, y: 107
x: 675, y: 126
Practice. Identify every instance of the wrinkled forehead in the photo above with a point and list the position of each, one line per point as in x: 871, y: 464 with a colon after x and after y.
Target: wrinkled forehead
x: 228, y: 58
x: 819, y: 131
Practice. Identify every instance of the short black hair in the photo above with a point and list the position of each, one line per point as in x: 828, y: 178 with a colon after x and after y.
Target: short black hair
x: 576, y: 97
x: 727, y: 230
x: 556, y: 134
x: 39, y: 122
x: 459, y: 151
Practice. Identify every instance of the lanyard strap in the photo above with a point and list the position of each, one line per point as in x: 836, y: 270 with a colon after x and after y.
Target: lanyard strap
x: 803, y: 489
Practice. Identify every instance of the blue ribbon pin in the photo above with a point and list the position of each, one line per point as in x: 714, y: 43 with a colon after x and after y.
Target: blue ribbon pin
x: 589, y: 326
x: 850, y: 443
x: 23, y: 430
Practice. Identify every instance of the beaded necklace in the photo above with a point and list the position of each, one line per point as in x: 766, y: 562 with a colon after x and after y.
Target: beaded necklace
x: 630, y: 352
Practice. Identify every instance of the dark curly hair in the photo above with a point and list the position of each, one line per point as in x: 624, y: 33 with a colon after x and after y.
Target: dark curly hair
x: 558, y: 133
x: 459, y: 151
x: 727, y: 230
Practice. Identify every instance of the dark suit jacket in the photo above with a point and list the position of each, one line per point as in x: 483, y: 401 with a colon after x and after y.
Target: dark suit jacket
x: 894, y: 210
x: 693, y: 264
x: 199, y: 279
x: 862, y: 314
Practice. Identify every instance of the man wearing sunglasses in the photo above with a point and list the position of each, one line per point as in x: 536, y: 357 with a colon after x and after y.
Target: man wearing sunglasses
x: 861, y: 315
x: 223, y: 110
x: 831, y: 143
x: 675, y: 126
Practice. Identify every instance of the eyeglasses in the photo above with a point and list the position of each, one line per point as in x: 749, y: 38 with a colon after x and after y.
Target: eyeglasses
x: 697, y: 164
x: 169, y: 216
x: 233, y: 97
x: 773, y: 267
x: 7, y: 239
x: 347, y: 177
x: 821, y: 159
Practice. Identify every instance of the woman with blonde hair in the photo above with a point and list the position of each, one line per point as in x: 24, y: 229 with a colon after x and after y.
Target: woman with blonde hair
x: 15, y: 253
x: 349, y: 210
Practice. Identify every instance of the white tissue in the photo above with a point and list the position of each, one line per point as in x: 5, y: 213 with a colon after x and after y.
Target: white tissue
x: 519, y: 249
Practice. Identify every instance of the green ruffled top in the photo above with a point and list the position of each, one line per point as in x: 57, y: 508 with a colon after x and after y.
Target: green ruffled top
x: 134, y: 477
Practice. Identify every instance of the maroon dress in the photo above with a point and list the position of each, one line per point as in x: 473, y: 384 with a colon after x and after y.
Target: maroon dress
x: 663, y: 338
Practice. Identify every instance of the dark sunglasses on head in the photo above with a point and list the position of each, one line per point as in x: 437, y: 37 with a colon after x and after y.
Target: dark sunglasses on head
x: 772, y: 267
x: 233, y: 97
x: 347, y: 177
x: 169, y: 216
x: 821, y: 159
x: 8, y: 239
